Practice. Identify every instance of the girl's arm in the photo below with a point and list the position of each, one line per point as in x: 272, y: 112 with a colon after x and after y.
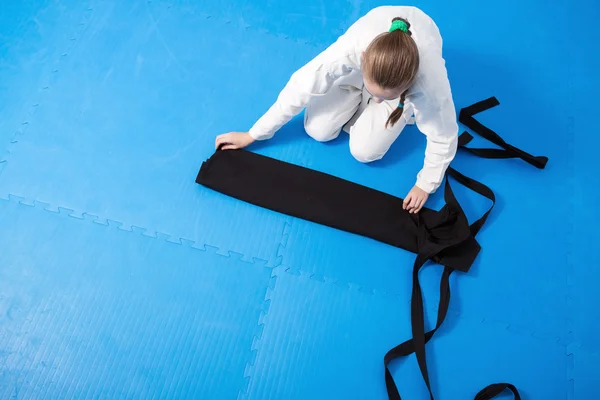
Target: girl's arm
x: 435, y: 116
x: 313, y: 79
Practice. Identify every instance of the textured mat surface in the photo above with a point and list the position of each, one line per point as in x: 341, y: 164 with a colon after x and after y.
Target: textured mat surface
x: 584, y: 271
x: 328, y: 333
x: 126, y: 279
x: 584, y: 375
x: 99, y: 312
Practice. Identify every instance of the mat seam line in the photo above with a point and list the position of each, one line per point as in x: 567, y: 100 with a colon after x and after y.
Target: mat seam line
x: 33, y: 109
x: 262, y: 318
x: 181, y: 241
x: 283, y: 242
x: 244, y: 26
x: 250, y: 366
x: 155, y: 234
x: 571, y: 346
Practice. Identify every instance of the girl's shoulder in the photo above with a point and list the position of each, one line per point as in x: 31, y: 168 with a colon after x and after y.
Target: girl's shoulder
x: 378, y: 20
x: 347, y: 50
x: 424, y: 32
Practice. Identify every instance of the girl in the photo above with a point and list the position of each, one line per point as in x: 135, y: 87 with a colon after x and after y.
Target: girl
x: 384, y: 71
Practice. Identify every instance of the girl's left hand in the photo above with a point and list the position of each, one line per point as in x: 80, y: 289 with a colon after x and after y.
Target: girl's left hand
x: 415, y: 200
x: 234, y: 140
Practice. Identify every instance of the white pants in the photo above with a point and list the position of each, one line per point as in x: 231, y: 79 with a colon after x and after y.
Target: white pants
x: 349, y: 106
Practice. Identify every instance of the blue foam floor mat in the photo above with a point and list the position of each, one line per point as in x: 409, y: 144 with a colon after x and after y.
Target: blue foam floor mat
x: 329, y: 332
x: 100, y: 312
x: 121, y: 277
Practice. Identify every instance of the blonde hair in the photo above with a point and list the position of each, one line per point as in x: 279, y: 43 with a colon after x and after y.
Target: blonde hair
x: 392, y: 61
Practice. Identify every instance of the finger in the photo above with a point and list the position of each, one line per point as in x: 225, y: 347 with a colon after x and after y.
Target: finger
x: 418, y: 207
x: 224, y: 137
x: 423, y: 201
x: 410, y: 207
x: 415, y: 205
x: 413, y: 202
x: 406, y: 202
x: 229, y: 147
x: 223, y: 140
x: 419, y: 204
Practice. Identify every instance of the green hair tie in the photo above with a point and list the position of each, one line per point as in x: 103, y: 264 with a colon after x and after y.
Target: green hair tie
x: 399, y: 24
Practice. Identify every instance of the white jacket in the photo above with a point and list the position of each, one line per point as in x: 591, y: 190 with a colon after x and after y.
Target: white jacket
x: 430, y: 96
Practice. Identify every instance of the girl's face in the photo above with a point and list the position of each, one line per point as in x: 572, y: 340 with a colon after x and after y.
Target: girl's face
x: 380, y: 94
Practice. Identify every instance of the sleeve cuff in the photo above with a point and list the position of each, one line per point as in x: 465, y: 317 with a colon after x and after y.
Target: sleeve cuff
x: 427, y: 187
x: 257, y: 134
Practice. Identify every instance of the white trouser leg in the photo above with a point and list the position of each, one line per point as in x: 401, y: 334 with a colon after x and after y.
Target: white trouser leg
x: 369, y: 138
x: 325, y: 116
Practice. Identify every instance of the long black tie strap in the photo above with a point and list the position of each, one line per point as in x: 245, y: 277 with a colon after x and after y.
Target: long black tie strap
x: 479, y: 188
x: 466, y: 117
x: 495, y: 389
x: 443, y: 236
x: 408, y: 347
x: 428, y: 249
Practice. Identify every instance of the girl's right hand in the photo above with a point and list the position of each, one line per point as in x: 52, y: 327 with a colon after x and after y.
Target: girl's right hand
x: 234, y: 140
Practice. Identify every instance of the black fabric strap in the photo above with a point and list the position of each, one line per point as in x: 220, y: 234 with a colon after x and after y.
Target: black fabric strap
x: 495, y: 389
x: 466, y: 118
x: 412, y: 345
x: 479, y: 188
x: 419, y: 337
x: 418, y: 327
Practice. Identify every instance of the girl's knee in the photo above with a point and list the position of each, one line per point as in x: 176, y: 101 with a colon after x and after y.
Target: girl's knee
x: 320, y: 131
x: 364, y: 153
x: 370, y: 143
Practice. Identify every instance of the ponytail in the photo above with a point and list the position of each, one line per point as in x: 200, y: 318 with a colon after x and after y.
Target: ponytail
x: 397, y: 113
x: 392, y: 61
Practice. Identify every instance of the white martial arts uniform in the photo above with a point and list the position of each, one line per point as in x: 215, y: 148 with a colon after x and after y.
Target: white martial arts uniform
x: 330, y: 88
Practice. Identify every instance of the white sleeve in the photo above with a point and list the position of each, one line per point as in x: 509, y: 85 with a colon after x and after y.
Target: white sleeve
x: 313, y: 79
x: 435, y: 116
